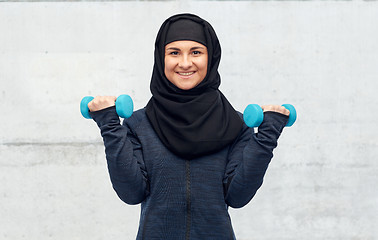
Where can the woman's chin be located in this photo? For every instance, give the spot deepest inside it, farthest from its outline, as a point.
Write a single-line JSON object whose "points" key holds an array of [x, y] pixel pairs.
{"points": [[186, 86]]}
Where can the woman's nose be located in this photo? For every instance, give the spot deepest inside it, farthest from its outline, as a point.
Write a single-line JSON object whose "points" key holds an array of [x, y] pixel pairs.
{"points": [[185, 62]]}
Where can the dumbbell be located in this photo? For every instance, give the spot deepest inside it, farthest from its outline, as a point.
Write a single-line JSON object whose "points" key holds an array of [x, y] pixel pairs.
{"points": [[124, 106], [253, 115]]}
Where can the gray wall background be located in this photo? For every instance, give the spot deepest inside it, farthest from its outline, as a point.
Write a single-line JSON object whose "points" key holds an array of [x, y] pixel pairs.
{"points": [[321, 56]]}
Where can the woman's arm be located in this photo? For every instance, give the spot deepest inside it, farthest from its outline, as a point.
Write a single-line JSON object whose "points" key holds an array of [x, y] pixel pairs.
{"points": [[124, 157], [249, 159]]}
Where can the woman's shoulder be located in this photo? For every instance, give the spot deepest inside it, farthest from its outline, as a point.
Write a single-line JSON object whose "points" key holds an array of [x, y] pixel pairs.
{"points": [[239, 114], [138, 117], [139, 114]]}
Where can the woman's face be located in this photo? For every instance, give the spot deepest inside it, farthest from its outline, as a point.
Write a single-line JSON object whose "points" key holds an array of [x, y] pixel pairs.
{"points": [[185, 63]]}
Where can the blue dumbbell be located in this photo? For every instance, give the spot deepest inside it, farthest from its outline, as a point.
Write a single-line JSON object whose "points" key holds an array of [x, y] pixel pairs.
{"points": [[253, 115], [124, 106]]}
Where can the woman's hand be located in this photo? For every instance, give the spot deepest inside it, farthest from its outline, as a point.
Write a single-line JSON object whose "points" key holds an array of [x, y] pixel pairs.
{"points": [[101, 102], [276, 108]]}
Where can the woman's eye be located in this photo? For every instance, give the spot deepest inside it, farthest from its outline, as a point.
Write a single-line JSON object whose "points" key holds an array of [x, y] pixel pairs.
{"points": [[196, 52], [173, 53]]}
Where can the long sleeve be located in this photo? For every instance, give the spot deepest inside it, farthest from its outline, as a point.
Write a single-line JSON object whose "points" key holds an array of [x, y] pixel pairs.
{"points": [[124, 157], [249, 159]]}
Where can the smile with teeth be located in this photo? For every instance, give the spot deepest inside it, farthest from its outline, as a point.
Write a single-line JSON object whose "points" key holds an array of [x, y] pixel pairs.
{"points": [[185, 73]]}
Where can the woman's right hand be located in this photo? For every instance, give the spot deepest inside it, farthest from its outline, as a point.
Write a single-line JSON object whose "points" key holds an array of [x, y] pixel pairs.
{"points": [[101, 102], [275, 108]]}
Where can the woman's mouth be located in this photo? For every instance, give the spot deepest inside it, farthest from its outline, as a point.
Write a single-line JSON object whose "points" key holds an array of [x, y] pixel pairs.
{"points": [[185, 74]]}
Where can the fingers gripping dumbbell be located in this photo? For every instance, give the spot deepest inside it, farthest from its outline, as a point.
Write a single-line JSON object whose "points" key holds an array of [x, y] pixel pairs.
{"points": [[253, 115], [124, 106]]}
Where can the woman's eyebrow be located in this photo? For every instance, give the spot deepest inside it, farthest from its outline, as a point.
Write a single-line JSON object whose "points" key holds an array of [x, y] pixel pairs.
{"points": [[198, 47], [178, 49], [173, 48]]}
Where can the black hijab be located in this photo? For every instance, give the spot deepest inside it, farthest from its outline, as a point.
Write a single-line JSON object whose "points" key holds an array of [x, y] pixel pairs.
{"points": [[195, 122]]}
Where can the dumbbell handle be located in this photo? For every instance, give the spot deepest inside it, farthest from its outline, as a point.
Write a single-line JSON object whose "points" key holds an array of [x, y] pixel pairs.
{"points": [[253, 115], [124, 106]]}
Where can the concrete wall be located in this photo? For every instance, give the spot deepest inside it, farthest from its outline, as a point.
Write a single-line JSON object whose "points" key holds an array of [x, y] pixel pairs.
{"points": [[321, 56]]}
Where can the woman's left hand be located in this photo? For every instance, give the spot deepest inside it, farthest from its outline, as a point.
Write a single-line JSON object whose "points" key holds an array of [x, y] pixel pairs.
{"points": [[275, 108]]}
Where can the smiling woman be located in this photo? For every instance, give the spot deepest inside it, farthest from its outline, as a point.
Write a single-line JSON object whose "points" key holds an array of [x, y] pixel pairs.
{"points": [[185, 63], [188, 112], [187, 156]]}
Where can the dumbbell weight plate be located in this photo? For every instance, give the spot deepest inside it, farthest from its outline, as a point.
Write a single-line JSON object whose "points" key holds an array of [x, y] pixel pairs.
{"points": [[253, 115], [84, 107], [124, 106], [292, 116]]}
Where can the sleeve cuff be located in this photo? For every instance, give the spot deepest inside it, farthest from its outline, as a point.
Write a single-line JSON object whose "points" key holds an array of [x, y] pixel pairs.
{"points": [[105, 116], [278, 120]]}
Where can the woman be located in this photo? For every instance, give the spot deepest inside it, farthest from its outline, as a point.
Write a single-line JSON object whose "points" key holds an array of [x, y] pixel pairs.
{"points": [[187, 156]]}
